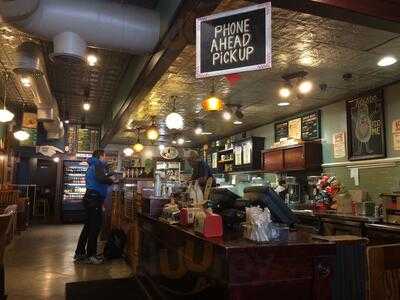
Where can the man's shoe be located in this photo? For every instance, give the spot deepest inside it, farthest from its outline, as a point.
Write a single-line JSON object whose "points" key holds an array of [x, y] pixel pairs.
{"points": [[93, 260]]}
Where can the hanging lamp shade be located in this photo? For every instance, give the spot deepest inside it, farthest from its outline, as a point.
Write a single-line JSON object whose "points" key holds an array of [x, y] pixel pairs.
{"points": [[212, 103], [128, 151], [174, 120], [138, 147], [152, 132], [5, 114], [21, 135]]}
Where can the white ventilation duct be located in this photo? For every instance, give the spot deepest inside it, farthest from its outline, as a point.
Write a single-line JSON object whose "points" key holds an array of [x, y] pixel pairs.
{"points": [[70, 24], [30, 63]]}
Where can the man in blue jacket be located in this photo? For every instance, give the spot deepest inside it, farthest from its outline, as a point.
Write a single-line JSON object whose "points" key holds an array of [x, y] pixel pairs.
{"points": [[97, 182]]}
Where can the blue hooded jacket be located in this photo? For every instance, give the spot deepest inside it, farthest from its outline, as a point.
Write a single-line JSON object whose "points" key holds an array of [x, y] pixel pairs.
{"points": [[96, 179]]}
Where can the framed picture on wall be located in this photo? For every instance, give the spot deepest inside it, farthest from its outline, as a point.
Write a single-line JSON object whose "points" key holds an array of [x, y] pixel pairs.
{"points": [[366, 126]]}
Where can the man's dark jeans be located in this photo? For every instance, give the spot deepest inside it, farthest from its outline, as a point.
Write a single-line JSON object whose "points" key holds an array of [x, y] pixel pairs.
{"points": [[91, 229]]}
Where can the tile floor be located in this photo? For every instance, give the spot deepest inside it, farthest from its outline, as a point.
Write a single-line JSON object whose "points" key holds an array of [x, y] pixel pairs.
{"points": [[39, 262]]}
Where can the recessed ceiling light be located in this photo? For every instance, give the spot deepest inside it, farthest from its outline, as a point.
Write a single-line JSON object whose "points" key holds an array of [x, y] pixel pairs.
{"points": [[188, 141], [174, 142], [305, 87], [206, 133], [283, 103], [181, 141], [387, 61], [91, 60], [227, 115], [284, 92], [237, 122]]}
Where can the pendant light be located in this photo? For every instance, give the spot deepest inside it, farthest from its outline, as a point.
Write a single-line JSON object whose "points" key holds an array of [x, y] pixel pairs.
{"points": [[5, 114], [128, 151], [212, 102], [174, 120], [138, 147], [152, 132], [21, 135]]}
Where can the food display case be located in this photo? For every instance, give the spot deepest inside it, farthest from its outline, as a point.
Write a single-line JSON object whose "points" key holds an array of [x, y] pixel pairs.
{"points": [[73, 190]]}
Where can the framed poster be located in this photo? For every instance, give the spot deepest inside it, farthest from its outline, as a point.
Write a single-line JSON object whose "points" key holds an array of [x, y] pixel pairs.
{"points": [[234, 41], [339, 144], [366, 126]]}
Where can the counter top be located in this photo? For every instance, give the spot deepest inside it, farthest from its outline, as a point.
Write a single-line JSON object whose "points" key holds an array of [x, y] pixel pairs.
{"points": [[235, 240], [335, 215], [384, 227]]}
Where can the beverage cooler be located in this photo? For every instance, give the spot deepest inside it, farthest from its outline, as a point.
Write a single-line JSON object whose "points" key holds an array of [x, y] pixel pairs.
{"points": [[73, 190]]}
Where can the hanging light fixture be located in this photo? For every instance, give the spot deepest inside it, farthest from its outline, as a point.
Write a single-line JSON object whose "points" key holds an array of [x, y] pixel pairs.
{"points": [[198, 130], [226, 115], [152, 132], [138, 147], [212, 102], [174, 120], [86, 103], [180, 141], [21, 135], [128, 151], [5, 114]]}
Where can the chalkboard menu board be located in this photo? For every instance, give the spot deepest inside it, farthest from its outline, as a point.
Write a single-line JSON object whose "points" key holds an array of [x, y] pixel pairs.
{"points": [[281, 130], [366, 126], [310, 127], [82, 140]]}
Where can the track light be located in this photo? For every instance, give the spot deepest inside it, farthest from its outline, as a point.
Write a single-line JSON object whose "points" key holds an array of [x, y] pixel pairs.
{"points": [[285, 92], [305, 87]]}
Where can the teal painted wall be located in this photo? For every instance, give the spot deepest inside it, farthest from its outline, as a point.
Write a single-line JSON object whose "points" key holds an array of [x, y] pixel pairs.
{"points": [[333, 119]]}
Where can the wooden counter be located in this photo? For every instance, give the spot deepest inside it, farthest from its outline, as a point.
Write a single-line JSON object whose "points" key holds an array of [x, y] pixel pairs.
{"points": [[180, 263]]}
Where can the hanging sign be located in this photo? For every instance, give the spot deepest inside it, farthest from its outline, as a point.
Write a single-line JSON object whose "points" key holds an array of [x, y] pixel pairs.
{"points": [[234, 41]]}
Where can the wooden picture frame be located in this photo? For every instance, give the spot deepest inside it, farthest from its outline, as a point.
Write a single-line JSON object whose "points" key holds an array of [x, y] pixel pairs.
{"points": [[366, 126]]}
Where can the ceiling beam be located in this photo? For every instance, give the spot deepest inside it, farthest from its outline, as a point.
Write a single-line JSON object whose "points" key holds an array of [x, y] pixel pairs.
{"points": [[180, 33], [378, 14]]}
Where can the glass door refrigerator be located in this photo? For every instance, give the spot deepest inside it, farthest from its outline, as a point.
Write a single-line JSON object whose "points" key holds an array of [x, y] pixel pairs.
{"points": [[73, 190]]}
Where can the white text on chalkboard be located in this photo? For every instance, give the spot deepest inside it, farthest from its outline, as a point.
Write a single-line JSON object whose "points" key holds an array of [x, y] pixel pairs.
{"points": [[231, 43]]}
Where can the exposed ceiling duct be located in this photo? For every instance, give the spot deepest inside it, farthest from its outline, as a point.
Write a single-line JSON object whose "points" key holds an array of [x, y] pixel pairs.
{"points": [[30, 64], [74, 24]]}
